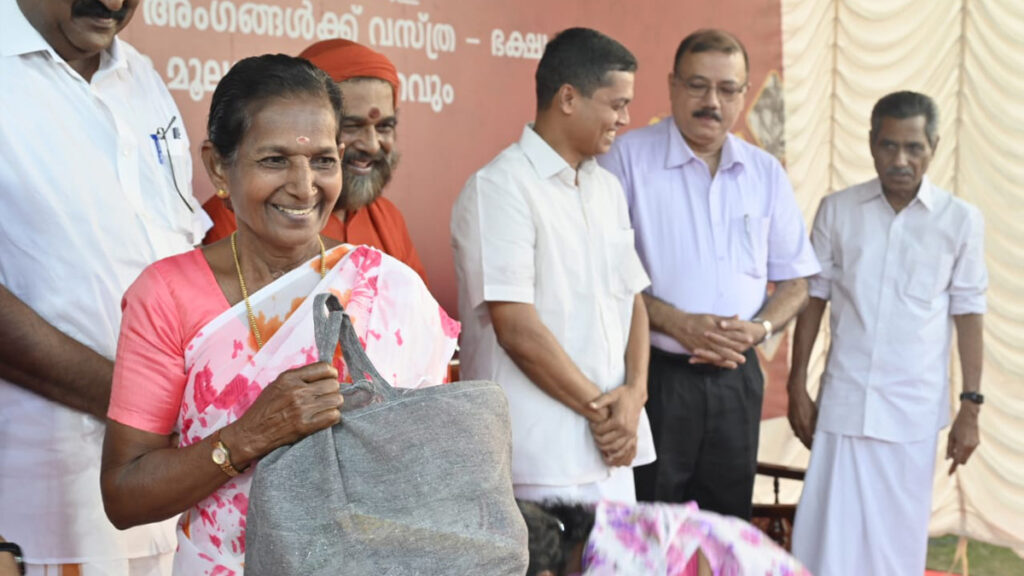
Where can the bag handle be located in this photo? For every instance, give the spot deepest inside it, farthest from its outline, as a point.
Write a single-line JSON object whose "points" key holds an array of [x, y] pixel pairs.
{"points": [[332, 325]]}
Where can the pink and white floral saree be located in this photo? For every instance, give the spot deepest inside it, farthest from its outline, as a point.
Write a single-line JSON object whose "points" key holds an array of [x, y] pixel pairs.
{"points": [[659, 539], [406, 334]]}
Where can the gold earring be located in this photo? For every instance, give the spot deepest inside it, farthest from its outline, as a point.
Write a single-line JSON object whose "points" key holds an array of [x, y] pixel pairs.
{"points": [[222, 193]]}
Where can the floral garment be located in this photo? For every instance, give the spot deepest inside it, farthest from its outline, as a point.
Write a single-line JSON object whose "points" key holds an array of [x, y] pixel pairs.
{"points": [[403, 329], [658, 539]]}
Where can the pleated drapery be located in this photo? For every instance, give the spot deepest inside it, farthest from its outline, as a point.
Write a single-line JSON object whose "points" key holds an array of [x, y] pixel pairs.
{"points": [[839, 57]]}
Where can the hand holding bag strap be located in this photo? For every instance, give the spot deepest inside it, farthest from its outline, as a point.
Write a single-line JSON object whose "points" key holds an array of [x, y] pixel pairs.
{"points": [[331, 324]]}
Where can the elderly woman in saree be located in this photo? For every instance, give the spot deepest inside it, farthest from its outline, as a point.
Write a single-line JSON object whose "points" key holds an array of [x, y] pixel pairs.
{"points": [[216, 363]]}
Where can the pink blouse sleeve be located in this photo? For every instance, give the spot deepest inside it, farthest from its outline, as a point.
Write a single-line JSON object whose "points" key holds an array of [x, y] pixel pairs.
{"points": [[149, 371]]}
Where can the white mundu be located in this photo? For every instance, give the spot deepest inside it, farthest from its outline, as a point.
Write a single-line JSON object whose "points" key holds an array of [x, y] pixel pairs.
{"points": [[87, 203], [894, 282], [524, 229]]}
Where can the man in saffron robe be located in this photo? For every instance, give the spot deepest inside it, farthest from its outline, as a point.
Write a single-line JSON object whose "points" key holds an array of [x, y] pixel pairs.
{"points": [[369, 87]]}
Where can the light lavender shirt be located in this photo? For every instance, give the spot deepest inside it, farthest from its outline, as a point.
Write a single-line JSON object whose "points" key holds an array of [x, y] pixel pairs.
{"points": [[894, 281], [709, 244]]}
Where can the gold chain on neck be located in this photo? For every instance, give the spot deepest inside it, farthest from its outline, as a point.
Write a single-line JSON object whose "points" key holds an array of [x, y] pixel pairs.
{"points": [[245, 293]]}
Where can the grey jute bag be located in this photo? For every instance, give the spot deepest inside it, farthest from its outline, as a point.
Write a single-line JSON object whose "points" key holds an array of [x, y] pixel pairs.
{"points": [[411, 482]]}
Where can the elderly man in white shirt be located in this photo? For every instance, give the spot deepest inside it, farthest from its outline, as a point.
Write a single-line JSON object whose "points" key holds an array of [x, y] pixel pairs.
{"points": [[549, 283], [95, 180], [902, 263]]}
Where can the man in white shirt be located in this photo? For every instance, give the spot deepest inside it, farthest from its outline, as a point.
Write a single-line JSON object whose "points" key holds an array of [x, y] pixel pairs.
{"points": [[95, 185], [902, 263], [549, 283]]}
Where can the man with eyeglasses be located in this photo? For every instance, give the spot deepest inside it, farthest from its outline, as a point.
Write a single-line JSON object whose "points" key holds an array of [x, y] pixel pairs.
{"points": [[903, 263], [95, 184], [715, 221]]}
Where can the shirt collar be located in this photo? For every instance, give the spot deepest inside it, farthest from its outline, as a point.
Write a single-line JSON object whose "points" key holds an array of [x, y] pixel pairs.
{"points": [[678, 152], [545, 160], [925, 194], [19, 37]]}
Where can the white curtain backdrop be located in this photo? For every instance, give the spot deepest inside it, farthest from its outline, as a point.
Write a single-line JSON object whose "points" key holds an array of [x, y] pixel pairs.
{"points": [[839, 57]]}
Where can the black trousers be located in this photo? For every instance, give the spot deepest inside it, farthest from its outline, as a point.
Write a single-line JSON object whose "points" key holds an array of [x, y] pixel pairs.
{"points": [[705, 421]]}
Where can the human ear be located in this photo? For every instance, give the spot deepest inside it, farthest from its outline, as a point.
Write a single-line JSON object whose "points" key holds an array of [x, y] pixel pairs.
{"points": [[216, 169], [215, 166], [566, 98]]}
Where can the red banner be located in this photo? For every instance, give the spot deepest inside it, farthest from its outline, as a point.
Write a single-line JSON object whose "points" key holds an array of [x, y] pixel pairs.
{"points": [[467, 75]]}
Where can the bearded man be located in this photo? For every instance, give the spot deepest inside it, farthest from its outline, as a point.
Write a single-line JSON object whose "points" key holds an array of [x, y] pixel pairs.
{"points": [[369, 88]]}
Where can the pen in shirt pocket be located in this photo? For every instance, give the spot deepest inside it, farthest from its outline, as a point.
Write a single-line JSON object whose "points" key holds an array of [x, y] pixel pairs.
{"points": [[159, 152]]}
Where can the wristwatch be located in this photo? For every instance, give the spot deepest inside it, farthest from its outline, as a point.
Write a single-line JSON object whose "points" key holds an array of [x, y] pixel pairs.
{"points": [[221, 456], [976, 397], [15, 551], [767, 324]]}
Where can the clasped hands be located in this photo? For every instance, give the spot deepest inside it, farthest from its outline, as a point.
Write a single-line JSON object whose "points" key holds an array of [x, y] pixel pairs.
{"points": [[614, 417], [718, 340]]}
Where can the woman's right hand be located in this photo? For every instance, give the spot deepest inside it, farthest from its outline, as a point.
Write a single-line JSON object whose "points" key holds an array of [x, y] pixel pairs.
{"points": [[299, 402]]}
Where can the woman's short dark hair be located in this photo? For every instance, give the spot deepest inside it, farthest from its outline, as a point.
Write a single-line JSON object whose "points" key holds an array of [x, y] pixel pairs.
{"points": [[251, 83], [906, 104], [582, 58]]}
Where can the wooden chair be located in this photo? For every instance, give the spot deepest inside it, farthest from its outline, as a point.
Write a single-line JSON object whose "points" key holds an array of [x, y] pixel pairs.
{"points": [[776, 520]]}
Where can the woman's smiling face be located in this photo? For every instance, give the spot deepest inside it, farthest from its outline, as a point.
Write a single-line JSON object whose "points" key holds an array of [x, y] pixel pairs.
{"points": [[286, 173]]}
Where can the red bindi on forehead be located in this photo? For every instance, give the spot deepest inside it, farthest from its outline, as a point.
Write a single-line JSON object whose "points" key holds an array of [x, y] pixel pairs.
{"points": [[374, 113]]}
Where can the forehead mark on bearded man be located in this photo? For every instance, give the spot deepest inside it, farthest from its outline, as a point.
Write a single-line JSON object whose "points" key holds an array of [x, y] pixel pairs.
{"points": [[374, 113], [302, 140]]}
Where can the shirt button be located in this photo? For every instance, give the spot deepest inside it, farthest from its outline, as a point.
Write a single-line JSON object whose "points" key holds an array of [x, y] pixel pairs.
{"points": [[125, 152]]}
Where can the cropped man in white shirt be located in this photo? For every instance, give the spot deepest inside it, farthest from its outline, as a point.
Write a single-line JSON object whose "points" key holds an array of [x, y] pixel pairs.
{"points": [[902, 263], [95, 185], [549, 283]]}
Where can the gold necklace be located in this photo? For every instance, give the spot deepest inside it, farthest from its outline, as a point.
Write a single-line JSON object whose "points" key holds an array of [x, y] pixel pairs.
{"points": [[245, 293]]}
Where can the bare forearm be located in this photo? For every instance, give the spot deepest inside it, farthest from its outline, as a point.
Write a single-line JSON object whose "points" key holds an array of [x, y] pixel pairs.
{"points": [[786, 301], [36, 356], [158, 484], [661, 315], [970, 335], [537, 352], [638, 349], [808, 324]]}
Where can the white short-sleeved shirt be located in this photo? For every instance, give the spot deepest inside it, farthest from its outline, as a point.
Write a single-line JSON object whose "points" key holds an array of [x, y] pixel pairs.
{"points": [[524, 231], [86, 205], [711, 242], [894, 281]]}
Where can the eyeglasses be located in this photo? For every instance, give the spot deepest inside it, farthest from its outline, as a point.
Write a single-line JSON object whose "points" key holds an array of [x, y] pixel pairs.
{"points": [[698, 88]]}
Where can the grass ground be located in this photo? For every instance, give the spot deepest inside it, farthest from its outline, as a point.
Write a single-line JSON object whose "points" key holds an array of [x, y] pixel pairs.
{"points": [[983, 559]]}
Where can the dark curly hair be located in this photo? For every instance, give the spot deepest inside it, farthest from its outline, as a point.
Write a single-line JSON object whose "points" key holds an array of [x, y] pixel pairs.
{"points": [[555, 529]]}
